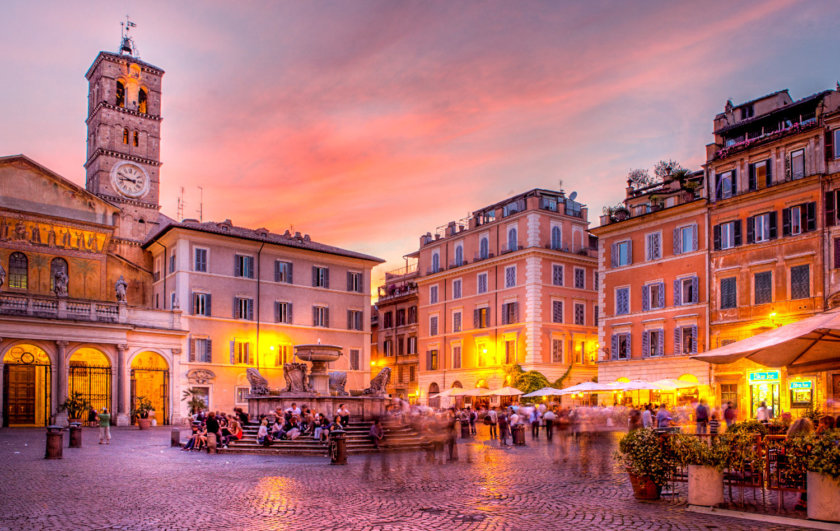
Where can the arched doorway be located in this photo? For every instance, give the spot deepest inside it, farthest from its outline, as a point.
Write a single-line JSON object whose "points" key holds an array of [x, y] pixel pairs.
{"points": [[27, 378], [150, 379], [89, 373], [434, 400]]}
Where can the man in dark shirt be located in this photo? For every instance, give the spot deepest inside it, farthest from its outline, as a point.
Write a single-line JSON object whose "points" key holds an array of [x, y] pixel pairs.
{"points": [[213, 426]]}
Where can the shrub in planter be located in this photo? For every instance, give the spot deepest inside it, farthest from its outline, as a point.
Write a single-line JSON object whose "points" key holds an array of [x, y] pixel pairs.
{"points": [[824, 477], [141, 411], [748, 426], [648, 460], [705, 462], [75, 406]]}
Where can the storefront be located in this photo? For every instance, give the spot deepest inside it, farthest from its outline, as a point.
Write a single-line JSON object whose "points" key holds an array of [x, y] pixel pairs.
{"points": [[764, 388]]}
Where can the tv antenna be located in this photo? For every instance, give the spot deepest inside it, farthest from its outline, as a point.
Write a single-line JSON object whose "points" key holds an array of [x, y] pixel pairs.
{"points": [[181, 205], [201, 204]]}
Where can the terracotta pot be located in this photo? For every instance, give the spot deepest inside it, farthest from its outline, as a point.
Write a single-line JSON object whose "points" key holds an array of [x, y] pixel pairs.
{"points": [[644, 488], [705, 485], [823, 497], [144, 424]]}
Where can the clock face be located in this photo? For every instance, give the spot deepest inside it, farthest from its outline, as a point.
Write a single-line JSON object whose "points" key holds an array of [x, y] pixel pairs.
{"points": [[130, 179]]}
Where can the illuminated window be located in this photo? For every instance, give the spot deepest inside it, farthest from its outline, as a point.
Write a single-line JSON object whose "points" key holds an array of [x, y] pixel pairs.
{"points": [[142, 101], [240, 352], [136, 139], [125, 136], [120, 100]]}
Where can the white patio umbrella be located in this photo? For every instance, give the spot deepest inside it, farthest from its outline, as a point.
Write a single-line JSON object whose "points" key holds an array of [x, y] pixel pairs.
{"points": [[504, 391], [545, 391], [478, 391], [587, 387], [634, 385], [809, 344], [669, 384], [448, 393]]}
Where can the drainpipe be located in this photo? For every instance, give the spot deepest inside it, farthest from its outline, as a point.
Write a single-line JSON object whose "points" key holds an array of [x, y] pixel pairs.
{"points": [[163, 272], [259, 270]]}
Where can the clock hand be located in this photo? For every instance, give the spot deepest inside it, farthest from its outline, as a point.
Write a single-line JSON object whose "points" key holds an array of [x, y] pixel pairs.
{"points": [[128, 179]]}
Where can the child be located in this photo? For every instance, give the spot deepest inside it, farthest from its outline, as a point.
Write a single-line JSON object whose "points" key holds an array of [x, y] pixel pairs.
{"points": [[714, 424]]}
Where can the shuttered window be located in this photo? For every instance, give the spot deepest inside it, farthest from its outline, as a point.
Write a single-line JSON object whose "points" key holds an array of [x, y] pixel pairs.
{"points": [[800, 282], [283, 272], [728, 293], [557, 275], [482, 283], [622, 301], [556, 311], [763, 287]]}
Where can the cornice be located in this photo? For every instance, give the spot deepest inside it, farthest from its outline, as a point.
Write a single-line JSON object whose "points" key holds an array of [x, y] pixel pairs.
{"points": [[123, 156], [105, 105], [127, 201]]}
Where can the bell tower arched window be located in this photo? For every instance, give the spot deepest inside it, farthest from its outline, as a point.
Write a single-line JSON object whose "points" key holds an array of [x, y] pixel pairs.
{"points": [[18, 271], [142, 101], [136, 139], [120, 94], [125, 136], [57, 264]]}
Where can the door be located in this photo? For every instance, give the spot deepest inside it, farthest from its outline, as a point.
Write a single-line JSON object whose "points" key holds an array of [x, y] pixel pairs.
{"points": [[835, 388], [20, 400], [767, 393]]}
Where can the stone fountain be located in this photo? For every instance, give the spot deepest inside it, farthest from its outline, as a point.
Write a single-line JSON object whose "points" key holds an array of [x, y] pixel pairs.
{"points": [[319, 356]]}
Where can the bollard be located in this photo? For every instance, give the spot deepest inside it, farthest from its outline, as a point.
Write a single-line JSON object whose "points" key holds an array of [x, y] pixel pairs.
{"points": [[338, 448], [211, 443], [55, 440], [175, 438], [519, 435], [75, 439], [465, 429]]}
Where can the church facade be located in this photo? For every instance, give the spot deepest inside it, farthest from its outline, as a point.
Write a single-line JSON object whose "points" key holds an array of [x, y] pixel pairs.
{"points": [[76, 313]]}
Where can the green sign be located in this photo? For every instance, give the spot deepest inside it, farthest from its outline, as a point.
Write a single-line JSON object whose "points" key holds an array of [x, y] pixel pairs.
{"points": [[767, 376], [800, 385]]}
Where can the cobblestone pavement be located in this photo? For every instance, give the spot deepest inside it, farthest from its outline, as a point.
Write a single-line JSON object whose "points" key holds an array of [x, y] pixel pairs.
{"points": [[139, 482]]}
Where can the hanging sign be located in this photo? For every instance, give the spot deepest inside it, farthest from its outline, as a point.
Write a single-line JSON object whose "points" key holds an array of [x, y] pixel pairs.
{"points": [[800, 385]]}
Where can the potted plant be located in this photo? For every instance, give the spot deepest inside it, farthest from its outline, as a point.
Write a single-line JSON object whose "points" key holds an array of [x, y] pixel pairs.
{"points": [[824, 477], [141, 411], [75, 406], [705, 462], [649, 463]]}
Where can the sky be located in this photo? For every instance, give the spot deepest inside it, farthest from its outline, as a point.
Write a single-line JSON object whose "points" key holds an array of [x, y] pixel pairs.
{"points": [[368, 123]]}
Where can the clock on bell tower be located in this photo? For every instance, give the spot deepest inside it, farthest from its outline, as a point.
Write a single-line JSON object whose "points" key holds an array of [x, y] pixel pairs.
{"points": [[123, 137]]}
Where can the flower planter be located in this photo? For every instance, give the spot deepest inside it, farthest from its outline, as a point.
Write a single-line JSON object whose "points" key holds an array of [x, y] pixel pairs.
{"points": [[705, 485], [144, 424], [644, 488], [823, 497]]}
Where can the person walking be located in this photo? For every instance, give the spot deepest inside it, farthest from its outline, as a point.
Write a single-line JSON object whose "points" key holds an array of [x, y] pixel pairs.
{"points": [[729, 415], [763, 413], [647, 416], [701, 417], [663, 418], [535, 423], [549, 417], [104, 426], [494, 421], [503, 428]]}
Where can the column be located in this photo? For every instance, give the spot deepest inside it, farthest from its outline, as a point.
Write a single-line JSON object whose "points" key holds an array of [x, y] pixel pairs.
{"points": [[123, 418], [175, 389], [1, 384], [59, 376]]}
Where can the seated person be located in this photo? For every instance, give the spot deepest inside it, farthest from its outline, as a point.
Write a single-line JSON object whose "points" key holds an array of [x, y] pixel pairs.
{"points": [[263, 437], [322, 428], [235, 430], [276, 430], [193, 440], [377, 434], [292, 428]]}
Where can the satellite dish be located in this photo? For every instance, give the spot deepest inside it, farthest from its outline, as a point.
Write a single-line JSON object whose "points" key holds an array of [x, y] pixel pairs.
{"points": [[573, 196]]}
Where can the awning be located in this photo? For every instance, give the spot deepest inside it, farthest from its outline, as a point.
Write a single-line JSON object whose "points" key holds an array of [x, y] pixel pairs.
{"points": [[809, 344], [545, 391], [588, 387], [504, 391]]}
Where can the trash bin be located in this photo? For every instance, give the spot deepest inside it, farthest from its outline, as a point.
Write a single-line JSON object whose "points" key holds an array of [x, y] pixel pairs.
{"points": [[211, 443], [519, 435], [338, 448], [55, 441], [465, 429], [75, 435], [175, 438]]}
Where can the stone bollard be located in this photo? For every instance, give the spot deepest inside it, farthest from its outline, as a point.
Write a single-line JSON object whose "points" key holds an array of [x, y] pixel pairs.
{"points": [[55, 440], [518, 433], [175, 438], [338, 448], [75, 435], [465, 429], [211, 443]]}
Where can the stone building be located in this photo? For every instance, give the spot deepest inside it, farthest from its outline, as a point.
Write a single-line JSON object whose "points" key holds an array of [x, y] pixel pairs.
{"points": [[75, 308], [514, 284]]}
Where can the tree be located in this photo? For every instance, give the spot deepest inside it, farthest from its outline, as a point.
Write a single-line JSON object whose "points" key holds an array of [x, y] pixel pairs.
{"points": [[667, 168]]}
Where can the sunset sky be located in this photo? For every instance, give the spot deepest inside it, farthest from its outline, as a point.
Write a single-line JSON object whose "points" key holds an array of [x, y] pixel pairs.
{"points": [[366, 124]]}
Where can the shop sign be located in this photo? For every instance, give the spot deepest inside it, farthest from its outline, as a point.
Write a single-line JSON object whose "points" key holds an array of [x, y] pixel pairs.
{"points": [[766, 376], [800, 385]]}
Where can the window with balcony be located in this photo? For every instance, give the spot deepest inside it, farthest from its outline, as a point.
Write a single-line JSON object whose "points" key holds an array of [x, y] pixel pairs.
{"points": [[556, 238], [482, 283], [433, 325], [620, 348], [760, 175], [622, 253], [355, 320], [283, 312], [685, 239], [456, 288], [433, 294], [321, 316], [761, 228], [763, 287], [201, 304], [727, 235], [728, 293], [654, 246], [243, 308], [580, 314], [557, 275], [726, 185], [653, 343], [800, 282], [200, 263], [243, 266], [797, 164], [481, 317], [580, 278], [653, 296], [556, 311], [510, 276], [622, 301]]}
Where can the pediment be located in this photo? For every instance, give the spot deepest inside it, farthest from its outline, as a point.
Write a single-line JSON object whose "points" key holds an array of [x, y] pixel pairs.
{"points": [[28, 187]]}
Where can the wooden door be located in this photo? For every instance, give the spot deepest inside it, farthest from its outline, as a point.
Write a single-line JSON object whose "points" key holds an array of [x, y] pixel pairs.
{"points": [[21, 394], [835, 387]]}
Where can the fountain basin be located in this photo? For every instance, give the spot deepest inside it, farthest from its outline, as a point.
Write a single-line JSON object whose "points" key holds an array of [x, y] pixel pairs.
{"points": [[318, 353]]}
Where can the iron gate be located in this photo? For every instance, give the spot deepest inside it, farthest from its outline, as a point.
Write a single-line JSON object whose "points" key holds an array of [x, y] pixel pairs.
{"points": [[159, 396], [94, 383]]}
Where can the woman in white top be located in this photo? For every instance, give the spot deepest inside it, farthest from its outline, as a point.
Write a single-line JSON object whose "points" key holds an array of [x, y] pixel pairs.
{"points": [[763, 414], [262, 433]]}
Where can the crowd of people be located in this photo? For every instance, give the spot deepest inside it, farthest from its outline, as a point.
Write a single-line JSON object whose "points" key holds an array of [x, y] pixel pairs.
{"points": [[222, 426], [295, 422]]}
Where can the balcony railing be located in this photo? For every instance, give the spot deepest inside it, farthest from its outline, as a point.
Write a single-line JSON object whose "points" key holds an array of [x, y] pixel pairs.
{"points": [[24, 304]]}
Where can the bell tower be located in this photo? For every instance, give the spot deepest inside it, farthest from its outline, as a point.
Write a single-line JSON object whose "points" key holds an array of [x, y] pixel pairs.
{"points": [[123, 137]]}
